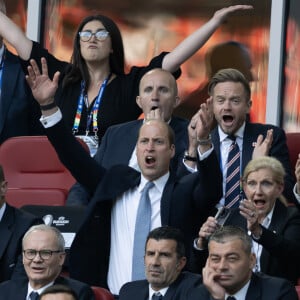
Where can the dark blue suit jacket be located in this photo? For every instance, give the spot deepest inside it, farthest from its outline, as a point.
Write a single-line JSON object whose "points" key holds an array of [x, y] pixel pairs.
{"points": [[17, 289], [262, 287], [13, 226], [118, 145], [185, 203], [281, 242], [278, 150], [178, 290], [19, 112]]}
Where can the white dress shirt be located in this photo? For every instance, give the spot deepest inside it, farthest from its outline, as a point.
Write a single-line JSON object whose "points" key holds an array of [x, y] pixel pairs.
{"points": [[123, 218]]}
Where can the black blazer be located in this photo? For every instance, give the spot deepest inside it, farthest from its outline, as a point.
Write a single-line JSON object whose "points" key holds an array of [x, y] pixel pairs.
{"points": [[17, 289], [262, 287], [118, 145], [19, 112], [13, 226], [178, 290], [185, 203], [278, 150], [281, 242]]}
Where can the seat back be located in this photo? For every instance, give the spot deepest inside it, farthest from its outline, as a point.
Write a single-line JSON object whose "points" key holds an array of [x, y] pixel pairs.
{"points": [[102, 293], [31, 162], [66, 219], [293, 143], [34, 172]]}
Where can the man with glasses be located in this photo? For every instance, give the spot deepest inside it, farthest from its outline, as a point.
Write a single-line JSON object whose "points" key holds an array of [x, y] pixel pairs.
{"points": [[43, 257]]}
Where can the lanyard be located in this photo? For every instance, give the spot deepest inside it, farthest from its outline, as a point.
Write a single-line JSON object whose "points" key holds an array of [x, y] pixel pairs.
{"points": [[93, 115]]}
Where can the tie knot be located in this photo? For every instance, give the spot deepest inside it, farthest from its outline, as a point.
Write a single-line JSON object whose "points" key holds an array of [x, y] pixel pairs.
{"points": [[230, 298], [148, 186], [232, 137], [34, 296], [157, 296]]}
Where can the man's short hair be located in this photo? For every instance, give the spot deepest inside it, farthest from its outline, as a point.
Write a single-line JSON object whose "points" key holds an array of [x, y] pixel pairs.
{"points": [[228, 233], [229, 75], [170, 131], [42, 227], [57, 289], [169, 233]]}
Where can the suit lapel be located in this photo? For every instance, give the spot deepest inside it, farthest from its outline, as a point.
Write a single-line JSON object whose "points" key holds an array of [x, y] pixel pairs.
{"points": [[5, 228], [250, 137], [254, 290], [216, 142], [166, 199], [131, 139], [278, 220]]}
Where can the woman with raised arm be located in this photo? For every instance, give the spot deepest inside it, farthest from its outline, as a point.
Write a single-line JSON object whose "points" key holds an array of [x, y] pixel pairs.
{"points": [[94, 91]]}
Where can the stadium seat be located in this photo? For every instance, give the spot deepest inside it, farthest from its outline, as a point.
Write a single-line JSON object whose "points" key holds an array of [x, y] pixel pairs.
{"points": [[102, 294], [293, 143], [34, 172]]}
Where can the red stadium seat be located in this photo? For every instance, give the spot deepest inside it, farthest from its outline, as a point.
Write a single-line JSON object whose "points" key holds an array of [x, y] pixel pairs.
{"points": [[298, 290], [34, 172], [102, 294], [293, 143]]}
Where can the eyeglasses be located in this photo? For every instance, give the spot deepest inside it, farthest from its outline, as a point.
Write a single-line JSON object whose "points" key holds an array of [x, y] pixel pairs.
{"points": [[100, 35], [44, 254]]}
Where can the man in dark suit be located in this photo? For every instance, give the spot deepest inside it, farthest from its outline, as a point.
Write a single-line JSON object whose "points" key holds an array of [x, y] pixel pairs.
{"points": [[13, 225], [230, 102], [164, 261], [107, 232], [118, 143], [43, 257], [18, 111], [228, 271]]}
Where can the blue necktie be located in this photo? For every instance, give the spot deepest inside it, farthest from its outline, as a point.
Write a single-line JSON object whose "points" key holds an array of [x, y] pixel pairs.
{"points": [[34, 296], [142, 228], [233, 176], [157, 296], [230, 298]]}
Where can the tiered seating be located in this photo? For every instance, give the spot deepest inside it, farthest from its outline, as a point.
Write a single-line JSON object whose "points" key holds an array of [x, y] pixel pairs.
{"points": [[33, 171]]}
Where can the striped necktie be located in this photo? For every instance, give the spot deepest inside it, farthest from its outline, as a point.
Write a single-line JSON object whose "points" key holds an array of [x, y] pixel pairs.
{"points": [[233, 176], [157, 296]]}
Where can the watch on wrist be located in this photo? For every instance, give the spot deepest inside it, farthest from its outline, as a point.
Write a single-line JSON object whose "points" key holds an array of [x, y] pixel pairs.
{"points": [[189, 157], [48, 106]]}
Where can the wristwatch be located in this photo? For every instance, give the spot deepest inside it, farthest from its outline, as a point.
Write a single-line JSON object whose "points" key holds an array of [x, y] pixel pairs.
{"points": [[188, 157]]}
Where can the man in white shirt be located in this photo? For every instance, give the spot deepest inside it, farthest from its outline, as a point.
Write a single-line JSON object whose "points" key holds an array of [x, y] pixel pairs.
{"points": [[102, 252], [228, 271]]}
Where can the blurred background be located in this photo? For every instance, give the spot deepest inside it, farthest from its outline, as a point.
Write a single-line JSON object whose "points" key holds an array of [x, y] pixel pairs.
{"points": [[149, 27]]}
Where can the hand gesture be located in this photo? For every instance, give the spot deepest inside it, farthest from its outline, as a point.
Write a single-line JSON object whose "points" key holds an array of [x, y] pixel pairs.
{"points": [[223, 13], [210, 280], [262, 146], [250, 213], [43, 89], [206, 230]]}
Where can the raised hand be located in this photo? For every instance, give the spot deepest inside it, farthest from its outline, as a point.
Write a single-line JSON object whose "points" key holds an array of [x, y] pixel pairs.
{"points": [[262, 146], [42, 87], [223, 13]]}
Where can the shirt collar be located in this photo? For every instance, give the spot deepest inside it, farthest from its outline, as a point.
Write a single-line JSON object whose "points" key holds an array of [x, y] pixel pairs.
{"points": [[241, 294], [239, 133], [159, 182], [39, 291], [163, 291]]}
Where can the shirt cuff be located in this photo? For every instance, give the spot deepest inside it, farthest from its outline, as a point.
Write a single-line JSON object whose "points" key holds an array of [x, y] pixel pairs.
{"points": [[297, 196], [196, 247], [205, 154], [51, 120]]}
